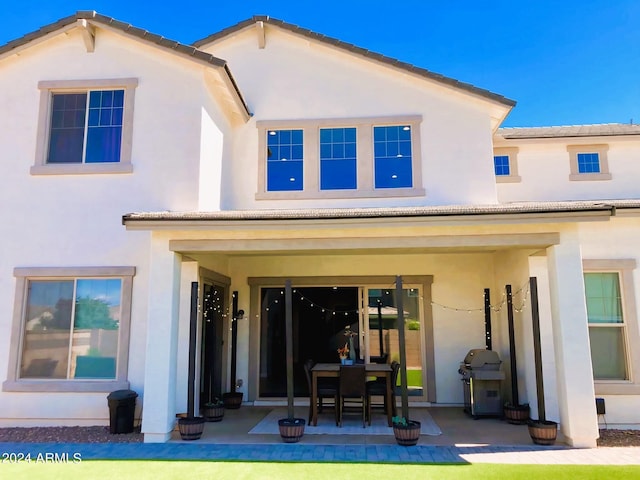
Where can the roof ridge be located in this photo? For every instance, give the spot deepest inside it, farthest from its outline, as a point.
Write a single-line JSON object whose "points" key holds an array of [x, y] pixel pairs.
{"points": [[576, 125], [423, 72]]}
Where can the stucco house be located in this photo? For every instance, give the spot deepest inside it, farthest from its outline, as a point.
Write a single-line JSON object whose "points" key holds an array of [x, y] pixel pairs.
{"points": [[268, 152]]}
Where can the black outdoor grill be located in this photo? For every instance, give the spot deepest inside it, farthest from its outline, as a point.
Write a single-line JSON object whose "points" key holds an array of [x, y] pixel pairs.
{"points": [[481, 383]]}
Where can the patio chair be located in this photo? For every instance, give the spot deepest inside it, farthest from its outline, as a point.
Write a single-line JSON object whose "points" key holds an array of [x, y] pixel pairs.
{"points": [[327, 388], [353, 390], [379, 387]]}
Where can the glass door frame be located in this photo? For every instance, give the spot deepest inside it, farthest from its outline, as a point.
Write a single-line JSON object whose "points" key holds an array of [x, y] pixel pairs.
{"points": [[365, 337]]}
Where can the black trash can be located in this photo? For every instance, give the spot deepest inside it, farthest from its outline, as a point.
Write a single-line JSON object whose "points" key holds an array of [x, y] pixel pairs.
{"points": [[122, 408]]}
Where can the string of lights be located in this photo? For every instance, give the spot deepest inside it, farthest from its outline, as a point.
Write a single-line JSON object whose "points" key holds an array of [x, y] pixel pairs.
{"points": [[522, 292]]}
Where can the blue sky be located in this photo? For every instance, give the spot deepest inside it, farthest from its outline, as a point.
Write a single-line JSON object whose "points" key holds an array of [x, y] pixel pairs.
{"points": [[565, 62]]}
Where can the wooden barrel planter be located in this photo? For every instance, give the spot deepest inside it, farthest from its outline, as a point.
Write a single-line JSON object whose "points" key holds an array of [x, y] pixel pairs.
{"points": [[543, 432], [516, 414], [232, 400], [191, 428], [291, 429], [213, 413], [407, 435]]}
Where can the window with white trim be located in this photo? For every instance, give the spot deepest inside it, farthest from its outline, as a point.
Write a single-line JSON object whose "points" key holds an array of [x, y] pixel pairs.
{"points": [[70, 328], [85, 126], [613, 328], [368, 157]]}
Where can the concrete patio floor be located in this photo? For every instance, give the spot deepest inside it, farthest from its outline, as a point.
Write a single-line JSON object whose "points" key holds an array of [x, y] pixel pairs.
{"points": [[457, 427]]}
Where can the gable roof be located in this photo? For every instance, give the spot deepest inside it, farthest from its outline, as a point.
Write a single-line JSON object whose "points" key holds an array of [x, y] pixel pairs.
{"points": [[598, 130], [408, 67], [93, 17]]}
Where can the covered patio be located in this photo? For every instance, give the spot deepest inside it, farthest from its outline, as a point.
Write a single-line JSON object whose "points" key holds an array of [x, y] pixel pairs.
{"points": [[457, 428]]}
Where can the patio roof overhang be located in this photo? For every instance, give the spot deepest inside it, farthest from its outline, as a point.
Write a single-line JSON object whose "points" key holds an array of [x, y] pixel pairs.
{"points": [[525, 212]]}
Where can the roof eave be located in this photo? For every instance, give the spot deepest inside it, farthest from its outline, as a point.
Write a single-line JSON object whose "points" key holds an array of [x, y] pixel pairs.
{"points": [[389, 61]]}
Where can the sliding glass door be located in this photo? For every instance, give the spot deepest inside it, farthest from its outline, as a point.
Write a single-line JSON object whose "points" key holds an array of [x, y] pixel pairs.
{"points": [[380, 331]]}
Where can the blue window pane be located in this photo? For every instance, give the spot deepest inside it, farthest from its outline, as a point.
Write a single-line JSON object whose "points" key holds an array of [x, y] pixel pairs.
{"points": [[284, 176], [107, 99], [67, 128], [95, 99], [588, 163], [325, 150], [501, 165], [350, 150], [285, 152], [118, 98], [103, 144], [338, 159], [392, 156], [393, 173], [338, 174], [94, 117], [379, 134], [105, 117], [285, 155], [117, 116], [296, 137], [350, 135], [325, 135], [405, 148], [296, 152], [379, 149], [65, 145]]}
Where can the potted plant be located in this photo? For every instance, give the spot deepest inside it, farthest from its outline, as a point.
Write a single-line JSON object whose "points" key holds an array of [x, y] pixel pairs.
{"points": [[291, 428], [407, 432], [213, 411]]}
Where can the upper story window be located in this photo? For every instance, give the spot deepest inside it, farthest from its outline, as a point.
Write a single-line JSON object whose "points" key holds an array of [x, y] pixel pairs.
{"points": [[85, 126], [392, 153], [588, 162], [338, 159], [284, 160], [501, 165], [71, 329], [613, 328], [505, 164], [368, 157]]}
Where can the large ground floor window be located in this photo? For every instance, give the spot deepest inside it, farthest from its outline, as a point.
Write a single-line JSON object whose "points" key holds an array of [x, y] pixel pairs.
{"points": [[71, 328]]}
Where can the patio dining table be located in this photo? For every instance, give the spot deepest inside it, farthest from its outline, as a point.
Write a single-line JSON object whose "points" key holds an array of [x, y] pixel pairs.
{"points": [[378, 370]]}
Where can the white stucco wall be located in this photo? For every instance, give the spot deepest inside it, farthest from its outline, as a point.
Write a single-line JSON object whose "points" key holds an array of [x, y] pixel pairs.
{"points": [[544, 167], [294, 78], [458, 282], [618, 240], [75, 220]]}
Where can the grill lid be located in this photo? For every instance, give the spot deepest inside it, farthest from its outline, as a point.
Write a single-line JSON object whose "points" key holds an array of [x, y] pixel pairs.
{"points": [[479, 358]]}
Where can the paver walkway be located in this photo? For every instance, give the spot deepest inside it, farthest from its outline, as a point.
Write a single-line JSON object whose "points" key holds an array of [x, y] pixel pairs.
{"points": [[332, 453]]}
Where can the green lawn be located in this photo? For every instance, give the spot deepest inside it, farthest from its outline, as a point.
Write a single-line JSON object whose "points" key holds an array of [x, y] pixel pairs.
{"points": [[192, 470]]}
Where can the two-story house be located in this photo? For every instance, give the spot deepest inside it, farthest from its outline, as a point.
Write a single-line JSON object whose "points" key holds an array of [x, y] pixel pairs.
{"points": [[266, 153]]}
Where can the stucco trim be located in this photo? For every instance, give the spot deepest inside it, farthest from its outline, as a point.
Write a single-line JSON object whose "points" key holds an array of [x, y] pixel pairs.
{"points": [[601, 150], [512, 153]]}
